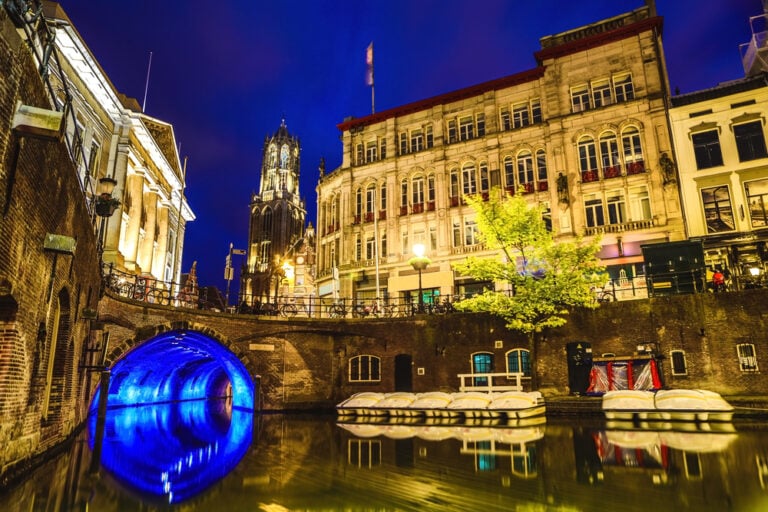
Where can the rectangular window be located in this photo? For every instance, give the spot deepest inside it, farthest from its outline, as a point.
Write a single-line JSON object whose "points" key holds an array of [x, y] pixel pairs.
{"points": [[679, 366], [456, 234], [383, 149], [717, 209], [359, 156], [371, 152], [484, 183], [622, 85], [466, 128], [594, 210], [404, 193], [750, 141], [370, 198], [452, 133], [480, 125], [747, 357], [94, 157], [757, 197], [617, 207], [520, 115], [358, 249], [430, 137], [580, 98], [383, 200], [601, 93], [470, 232], [706, 148], [417, 141], [536, 111], [639, 203], [370, 248], [403, 143], [506, 122]]}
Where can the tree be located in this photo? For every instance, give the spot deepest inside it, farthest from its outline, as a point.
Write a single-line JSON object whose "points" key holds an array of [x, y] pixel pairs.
{"points": [[546, 278]]}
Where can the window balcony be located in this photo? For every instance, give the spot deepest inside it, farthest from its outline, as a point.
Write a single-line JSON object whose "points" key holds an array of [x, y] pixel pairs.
{"points": [[430, 206], [485, 196], [543, 186], [527, 188], [589, 176], [417, 208], [510, 190], [454, 201], [356, 219], [368, 216], [637, 167], [382, 214], [403, 211], [634, 225], [612, 172]]}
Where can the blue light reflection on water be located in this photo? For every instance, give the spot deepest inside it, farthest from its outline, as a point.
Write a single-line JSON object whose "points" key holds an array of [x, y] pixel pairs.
{"points": [[172, 452]]}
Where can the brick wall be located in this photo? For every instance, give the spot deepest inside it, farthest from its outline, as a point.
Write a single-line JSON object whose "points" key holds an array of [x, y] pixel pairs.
{"points": [[39, 194]]}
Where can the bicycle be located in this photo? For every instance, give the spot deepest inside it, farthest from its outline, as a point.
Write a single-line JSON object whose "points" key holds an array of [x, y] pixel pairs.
{"points": [[288, 309], [362, 310], [337, 310]]}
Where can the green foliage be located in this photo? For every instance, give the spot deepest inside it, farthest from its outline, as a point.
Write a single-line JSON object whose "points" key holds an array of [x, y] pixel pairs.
{"points": [[545, 278]]}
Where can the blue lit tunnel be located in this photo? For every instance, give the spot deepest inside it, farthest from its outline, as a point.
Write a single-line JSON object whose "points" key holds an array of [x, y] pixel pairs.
{"points": [[179, 417], [177, 366]]}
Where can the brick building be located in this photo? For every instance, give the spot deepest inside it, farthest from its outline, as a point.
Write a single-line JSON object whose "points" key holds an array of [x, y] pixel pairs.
{"points": [[581, 134]]}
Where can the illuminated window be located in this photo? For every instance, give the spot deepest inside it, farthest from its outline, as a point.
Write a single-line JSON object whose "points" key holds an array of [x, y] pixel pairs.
{"points": [[482, 362], [587, 159], [718, 213], [757, 197], [365, 369], [609, 156]]}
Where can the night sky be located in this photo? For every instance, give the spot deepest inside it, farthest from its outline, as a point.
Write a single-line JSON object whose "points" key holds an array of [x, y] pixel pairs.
{"points": [[225, 73]]}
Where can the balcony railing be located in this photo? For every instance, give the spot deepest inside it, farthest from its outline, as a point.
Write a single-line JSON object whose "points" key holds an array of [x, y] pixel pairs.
{"points": [[527, 188], [403, 211], [382, 214], [356, 219], [634, 225], [510, 190], [637, 167], [543, 186], [430, 206], [417, 208], [454, 201], [368, 216], [589, 176], [612, 172]]}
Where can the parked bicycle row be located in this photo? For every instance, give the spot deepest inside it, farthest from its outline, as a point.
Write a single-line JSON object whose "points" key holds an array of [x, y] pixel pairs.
{"points": [[147, 289]]}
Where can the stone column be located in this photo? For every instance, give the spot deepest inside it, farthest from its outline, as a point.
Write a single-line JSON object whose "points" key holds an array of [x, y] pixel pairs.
{"points": [[113, 224], [161, 253], [147, 243], [133, 198]]}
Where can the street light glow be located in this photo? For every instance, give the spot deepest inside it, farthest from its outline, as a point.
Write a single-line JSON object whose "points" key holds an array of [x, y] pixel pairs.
{"points": [[418, 250]]}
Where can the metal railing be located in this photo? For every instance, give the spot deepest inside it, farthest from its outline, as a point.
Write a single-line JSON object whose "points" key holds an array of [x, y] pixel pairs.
{"points": [[485, 381]]}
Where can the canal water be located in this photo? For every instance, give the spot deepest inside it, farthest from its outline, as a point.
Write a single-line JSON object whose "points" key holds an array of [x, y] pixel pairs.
{"points": [[208, 456]]}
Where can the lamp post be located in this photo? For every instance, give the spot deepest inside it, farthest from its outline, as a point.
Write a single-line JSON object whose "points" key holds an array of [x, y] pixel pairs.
{"points": [[105, 206], [419, 262]]}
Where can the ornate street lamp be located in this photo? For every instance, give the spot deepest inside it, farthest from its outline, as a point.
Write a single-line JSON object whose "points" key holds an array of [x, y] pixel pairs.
{"points": [[105, 205], [419, 262]]}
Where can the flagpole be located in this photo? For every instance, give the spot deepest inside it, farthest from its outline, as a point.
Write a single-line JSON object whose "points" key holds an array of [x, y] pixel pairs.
{"points": [[146, 85]]}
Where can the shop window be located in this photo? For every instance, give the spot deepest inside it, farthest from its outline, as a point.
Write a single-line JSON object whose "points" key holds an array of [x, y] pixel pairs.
{"points": [[757, 198], [718, 213]]}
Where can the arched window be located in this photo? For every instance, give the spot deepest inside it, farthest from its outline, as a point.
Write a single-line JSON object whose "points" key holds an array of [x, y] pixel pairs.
{"points": [[518, 361], [469, 179], [587, 159], [482, 362], [266, 224], [370, 202], [365, 368], [609, 155], [633, 151]]}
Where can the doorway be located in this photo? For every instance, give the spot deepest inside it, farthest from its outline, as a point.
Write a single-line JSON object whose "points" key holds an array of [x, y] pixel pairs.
{"points": [[403, 372]]}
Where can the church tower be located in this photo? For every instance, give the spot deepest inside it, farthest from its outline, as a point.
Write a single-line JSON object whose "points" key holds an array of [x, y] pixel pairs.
{"points": [[277, 215]]}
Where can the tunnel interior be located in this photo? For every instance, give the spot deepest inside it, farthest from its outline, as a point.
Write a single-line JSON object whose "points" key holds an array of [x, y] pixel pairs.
{"points": [[178, 365]]}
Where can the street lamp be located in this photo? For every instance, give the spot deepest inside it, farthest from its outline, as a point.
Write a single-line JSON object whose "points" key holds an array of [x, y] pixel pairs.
{"points": [[105, 206], [419, 262]]}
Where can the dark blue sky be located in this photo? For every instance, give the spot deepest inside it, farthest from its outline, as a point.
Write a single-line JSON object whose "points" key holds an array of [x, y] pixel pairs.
{"points": [[225, 73]]}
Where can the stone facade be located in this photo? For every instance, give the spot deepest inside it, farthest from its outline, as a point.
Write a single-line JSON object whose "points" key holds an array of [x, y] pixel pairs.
{"points": [[580, 135]]}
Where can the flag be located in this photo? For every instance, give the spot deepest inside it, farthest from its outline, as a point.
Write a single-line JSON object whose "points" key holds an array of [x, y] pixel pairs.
{"points": [[369, 65], [239, 252]]}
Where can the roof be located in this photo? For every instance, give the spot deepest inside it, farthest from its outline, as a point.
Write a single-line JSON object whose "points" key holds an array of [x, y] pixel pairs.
{"points": [[721, 90]]}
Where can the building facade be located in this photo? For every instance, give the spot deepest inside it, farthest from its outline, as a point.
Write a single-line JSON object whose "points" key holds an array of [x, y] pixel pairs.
{"points": [[582, 135], [109, 136], [277, 255]]}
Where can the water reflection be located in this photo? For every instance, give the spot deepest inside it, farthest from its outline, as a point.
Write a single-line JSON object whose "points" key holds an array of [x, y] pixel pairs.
{"points": [[299, 462], [171, 452]]}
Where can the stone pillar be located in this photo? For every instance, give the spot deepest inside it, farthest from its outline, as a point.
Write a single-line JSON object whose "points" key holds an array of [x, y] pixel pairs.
{"points": [[134, 196], [113, 224], [161, 253], [147, 243]]}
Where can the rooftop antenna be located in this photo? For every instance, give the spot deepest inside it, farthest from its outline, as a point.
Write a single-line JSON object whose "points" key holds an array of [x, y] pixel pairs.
{"points": [[146, 85]]}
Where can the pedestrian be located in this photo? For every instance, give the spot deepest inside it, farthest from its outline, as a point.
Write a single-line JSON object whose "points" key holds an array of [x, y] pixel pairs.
{"points": [[718, 281]]}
